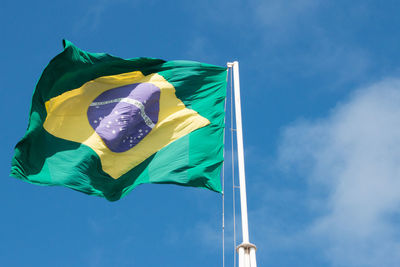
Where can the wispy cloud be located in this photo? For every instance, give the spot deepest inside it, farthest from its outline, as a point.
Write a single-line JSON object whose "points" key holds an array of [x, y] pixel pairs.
{"points": [[352, 161], [282, 14], [339, 63], [95, 12], [200, 48], [92, 18]]}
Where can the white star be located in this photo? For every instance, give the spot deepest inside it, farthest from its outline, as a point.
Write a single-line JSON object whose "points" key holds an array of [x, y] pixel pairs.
{"points": [[95, 121], [130, 141], [123, 141], [146, 131], [108, 126], [138, 136], [120, 129], [116, 112], [140, 130], [109, 122], [113, 131], [100, 118], [97, 106]]}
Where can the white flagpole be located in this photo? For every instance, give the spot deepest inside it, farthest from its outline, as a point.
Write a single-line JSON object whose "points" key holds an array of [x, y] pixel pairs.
{"points": [[246, 250]]}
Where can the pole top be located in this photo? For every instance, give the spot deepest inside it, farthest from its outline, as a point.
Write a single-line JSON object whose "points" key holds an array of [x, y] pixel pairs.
{"points": [[231, 64], [246, 246]]}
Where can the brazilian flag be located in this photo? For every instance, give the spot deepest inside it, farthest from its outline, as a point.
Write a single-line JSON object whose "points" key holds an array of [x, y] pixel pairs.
{"points": [[102, 125]]}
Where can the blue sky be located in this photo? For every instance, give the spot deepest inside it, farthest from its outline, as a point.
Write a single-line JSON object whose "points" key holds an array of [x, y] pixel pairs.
{"points": [[320, 98]]}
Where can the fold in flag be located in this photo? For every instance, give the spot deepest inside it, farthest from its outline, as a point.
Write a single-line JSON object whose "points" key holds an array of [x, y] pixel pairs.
{"points": [[102, 125]]}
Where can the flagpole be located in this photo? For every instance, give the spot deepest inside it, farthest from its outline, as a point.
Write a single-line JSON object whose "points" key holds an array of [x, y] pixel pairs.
{"points": [[246, 250]]}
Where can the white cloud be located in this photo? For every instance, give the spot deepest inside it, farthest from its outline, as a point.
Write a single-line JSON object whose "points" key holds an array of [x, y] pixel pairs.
{"points": [[352, 161]]}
